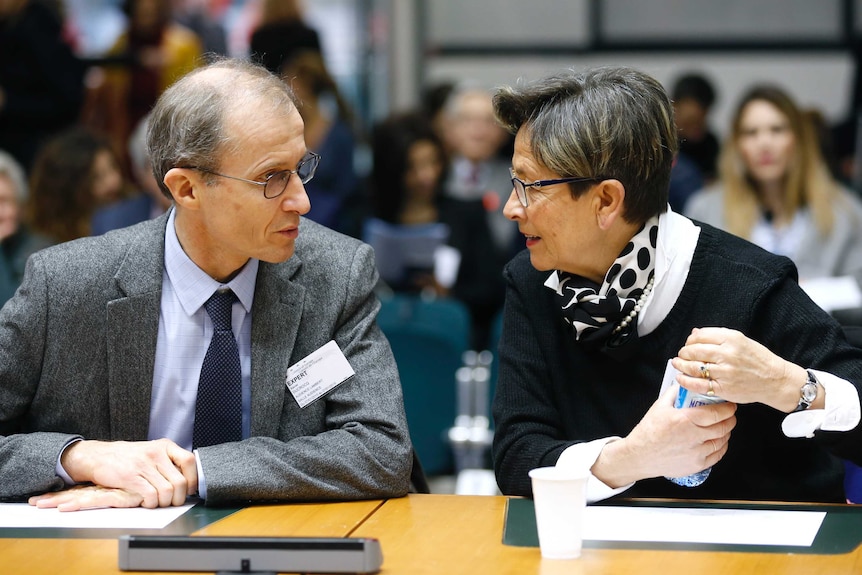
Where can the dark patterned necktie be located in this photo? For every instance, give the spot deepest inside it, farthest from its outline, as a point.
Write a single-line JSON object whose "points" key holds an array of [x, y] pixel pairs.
{"points": [[218, 412]]}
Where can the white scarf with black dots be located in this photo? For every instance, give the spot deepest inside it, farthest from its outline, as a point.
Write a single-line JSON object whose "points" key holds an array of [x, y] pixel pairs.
{"points": [[595, 311]]}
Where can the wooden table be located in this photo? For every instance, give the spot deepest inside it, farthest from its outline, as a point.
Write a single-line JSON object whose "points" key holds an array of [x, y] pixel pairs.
{"points": [[452, 534], [426, 534], [99, 556]]}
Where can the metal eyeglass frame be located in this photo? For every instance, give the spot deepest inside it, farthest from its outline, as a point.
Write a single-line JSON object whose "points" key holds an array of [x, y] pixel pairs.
{"points": [[310, 157], [521, 186]]}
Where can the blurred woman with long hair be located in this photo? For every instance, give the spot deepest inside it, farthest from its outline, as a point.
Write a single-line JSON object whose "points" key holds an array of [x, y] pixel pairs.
{"points": [[776, 190], [74, 174]]}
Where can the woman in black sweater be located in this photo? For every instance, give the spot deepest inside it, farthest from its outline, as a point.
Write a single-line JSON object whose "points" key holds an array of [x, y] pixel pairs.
{"points": [[617, 294]]}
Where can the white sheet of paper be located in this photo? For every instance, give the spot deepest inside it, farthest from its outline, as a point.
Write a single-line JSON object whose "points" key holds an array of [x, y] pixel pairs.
{"points": [[25, 515], [447, 262], [691, 525], [833, 293]]}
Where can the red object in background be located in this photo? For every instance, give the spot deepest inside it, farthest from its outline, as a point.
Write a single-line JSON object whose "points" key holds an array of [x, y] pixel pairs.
{"points": [[491, 201]]}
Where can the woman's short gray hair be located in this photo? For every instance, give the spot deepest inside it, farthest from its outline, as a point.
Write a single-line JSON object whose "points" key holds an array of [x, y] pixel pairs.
{"points": [[187, 124], [607, 122], [12, 170]]}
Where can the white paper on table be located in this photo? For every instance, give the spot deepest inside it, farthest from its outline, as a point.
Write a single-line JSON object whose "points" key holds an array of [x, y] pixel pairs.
{"points": [[832, 293], [447, 262], [26, 515], [708, 525]]}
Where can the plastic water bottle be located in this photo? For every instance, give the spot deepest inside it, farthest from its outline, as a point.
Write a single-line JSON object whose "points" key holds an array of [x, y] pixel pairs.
{"points": [[688, 398]]}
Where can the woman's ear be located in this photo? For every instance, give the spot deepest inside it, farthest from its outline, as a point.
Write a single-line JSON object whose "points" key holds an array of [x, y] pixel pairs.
{"points": [[609, 200], [182, 183]]}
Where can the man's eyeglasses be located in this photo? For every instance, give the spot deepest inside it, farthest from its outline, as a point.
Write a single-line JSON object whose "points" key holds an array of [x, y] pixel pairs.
{"points": [[276, 183], [521, 186]]}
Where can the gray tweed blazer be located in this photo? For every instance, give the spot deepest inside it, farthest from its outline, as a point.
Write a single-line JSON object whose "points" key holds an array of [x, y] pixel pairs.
{"points": [[77, 347]]}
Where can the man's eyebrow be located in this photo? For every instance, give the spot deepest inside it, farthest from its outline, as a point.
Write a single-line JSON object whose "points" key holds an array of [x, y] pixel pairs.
{"points": [[270, 167]]}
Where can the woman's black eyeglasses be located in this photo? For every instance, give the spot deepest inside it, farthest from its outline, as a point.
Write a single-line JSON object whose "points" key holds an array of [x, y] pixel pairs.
{"points": [[521, 186]]}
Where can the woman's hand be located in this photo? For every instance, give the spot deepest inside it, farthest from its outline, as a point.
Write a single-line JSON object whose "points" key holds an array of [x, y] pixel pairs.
{"points": [[668, 442], [738, 369]]}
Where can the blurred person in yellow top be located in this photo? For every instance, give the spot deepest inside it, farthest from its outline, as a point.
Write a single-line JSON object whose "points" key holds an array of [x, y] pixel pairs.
{"points": [[152, 53]]}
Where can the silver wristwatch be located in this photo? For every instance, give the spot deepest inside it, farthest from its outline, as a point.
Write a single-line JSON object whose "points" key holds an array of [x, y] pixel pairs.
{"points": [[807, 393]]}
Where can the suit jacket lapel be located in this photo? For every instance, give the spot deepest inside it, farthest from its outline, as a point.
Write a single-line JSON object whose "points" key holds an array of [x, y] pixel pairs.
{"points": [[132, 330], [133, 325], [276, 313]]}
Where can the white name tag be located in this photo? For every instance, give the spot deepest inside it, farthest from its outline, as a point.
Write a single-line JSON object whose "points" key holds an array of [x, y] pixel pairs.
{"points": [[315, 375]]}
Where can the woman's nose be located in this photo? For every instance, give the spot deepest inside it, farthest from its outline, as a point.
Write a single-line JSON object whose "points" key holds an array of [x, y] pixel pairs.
{"points": [[513, 208]]}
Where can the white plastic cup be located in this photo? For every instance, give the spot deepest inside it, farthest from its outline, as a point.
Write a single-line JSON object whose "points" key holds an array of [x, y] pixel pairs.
{"points": [[560, 497]]}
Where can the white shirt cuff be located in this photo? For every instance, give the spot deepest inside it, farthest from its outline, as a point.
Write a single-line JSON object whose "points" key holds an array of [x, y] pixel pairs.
{"points": [[841, 412], [202, 484], [58, 469], [582, 456]]}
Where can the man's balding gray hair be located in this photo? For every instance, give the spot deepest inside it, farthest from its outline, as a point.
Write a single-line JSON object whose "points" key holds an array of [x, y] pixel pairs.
{"points": [[187, 124]]}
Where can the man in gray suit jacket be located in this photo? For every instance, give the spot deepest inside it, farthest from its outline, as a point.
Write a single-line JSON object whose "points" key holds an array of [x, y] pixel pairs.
{"points": [[102, 347]]}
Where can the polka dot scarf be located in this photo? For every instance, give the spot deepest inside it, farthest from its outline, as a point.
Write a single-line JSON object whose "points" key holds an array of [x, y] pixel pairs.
{"points": [[597, 313]]}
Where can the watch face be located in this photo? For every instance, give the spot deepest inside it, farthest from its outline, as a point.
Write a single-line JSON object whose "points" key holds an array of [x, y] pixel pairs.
{"points": [[809, 392]]}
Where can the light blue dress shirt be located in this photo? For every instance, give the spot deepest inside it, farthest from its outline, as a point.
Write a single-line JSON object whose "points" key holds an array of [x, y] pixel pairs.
{"points": [[185, 331]]}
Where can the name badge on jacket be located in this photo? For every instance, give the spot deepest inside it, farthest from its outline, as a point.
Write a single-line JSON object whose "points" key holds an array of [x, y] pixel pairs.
{"points": [[318, 373]]}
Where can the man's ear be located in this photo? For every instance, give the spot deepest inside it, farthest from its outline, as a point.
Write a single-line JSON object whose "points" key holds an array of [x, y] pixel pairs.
{"points": [[184, 184], [609, 201]]}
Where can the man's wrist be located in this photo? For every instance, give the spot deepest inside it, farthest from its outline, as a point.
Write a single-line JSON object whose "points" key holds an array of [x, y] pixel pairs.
{"points": [[74, 463], [60, 470]]}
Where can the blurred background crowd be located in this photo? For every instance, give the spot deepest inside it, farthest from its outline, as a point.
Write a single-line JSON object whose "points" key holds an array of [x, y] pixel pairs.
{"points": [[396, 97]]}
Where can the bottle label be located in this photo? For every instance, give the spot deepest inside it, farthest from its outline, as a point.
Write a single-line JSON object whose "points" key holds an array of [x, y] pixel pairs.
{"points": [[686, 399]]}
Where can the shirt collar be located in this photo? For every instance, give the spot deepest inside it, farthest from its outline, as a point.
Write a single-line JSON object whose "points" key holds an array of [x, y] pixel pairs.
{"points": [[192, 285], [677, 239]]}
